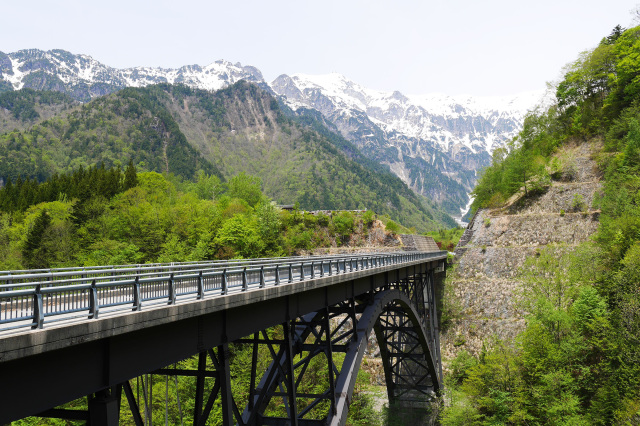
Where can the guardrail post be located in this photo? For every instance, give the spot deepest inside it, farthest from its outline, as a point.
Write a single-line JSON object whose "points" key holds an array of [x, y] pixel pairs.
{"points": [[262, 276], [313, 269], [322, 268], [200, 286], [172, 290], [290, 273], [38, 313], [277, 274], [244, 279], [137, 303], [224, 281], [330, 267], [93, 301]]}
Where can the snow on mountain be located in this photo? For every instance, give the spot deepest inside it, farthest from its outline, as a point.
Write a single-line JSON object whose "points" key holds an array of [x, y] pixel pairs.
{"points": [[85, 78], [426, 117], [435, 143]]}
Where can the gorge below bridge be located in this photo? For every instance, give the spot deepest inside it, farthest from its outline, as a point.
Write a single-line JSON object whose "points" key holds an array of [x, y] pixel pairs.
{"points": [[72, 333]]}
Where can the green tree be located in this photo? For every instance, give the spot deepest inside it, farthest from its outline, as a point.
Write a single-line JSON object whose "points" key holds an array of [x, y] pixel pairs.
{"points": [[34, 253], [130, 176], [247, 188], [632, 150]]}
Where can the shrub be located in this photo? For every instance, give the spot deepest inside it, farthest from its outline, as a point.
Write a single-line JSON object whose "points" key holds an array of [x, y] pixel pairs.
{"points": [[322, 219], [368, 217], [578, 203], [344, 223], [460, 364], [393, 227], [459, 341]]}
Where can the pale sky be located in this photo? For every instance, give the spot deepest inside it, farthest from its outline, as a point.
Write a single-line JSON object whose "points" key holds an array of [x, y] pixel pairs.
{"points": [[482, 48]]}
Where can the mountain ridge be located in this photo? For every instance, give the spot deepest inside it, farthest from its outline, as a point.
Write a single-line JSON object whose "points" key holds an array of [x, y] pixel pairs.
{"points": [[180, 130], [434, 143]]}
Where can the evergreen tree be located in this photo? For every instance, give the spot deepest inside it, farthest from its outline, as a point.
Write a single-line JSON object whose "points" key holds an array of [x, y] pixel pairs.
{"points": [[130, 176], [34, 254], [7, 196]]}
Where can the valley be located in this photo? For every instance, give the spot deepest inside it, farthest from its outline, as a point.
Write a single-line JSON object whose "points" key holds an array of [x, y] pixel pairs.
{"points": [[435, 144]]}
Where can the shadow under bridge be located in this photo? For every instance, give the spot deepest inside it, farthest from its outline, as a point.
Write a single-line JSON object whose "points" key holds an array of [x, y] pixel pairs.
{"points": [[303, 325]]}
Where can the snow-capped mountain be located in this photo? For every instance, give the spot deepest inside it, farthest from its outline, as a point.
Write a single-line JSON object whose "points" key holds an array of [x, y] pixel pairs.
{"points": [[84, 78], [477, 123], [435, 143]]}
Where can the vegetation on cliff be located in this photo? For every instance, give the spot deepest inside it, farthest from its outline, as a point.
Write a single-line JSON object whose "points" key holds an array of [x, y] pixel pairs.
{"points": [[578, 359]]}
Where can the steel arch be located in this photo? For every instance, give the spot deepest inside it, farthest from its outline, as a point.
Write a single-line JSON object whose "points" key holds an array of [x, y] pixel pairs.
{"points": [[410, 363]]}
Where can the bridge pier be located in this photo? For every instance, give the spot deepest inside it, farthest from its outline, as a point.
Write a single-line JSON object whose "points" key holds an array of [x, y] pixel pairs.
{"points": [[104, 408]]}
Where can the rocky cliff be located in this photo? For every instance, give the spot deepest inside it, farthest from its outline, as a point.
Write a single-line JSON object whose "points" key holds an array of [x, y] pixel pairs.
{"points": [[485, 280]]}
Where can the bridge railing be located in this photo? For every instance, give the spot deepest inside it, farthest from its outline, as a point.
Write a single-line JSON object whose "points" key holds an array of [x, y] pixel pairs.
{"points": [[16, 277], [29, 300]]}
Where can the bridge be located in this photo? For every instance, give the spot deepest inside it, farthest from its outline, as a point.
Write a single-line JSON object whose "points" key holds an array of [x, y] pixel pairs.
{"points": [[103, 332]]}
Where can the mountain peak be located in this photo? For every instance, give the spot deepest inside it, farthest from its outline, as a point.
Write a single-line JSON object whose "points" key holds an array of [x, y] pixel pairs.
{"points": [[86, 78]]}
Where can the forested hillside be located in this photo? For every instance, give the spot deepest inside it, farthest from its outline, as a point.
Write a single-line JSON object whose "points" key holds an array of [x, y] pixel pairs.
{"points": [[114, 129], [103, 216], [243, 128], [578, 359], [175, 129], [24, 108]]}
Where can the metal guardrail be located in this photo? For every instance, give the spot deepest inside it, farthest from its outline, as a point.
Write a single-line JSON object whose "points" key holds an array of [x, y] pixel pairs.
{"points": [[29, 299]]}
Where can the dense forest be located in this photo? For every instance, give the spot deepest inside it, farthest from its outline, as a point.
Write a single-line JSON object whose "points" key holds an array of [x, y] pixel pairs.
{"points": [[178, 130], [106, 216], [578, 359]]}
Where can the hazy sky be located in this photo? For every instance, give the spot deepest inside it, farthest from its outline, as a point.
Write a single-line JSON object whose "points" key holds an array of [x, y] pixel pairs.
{"points": [[489, 47]]}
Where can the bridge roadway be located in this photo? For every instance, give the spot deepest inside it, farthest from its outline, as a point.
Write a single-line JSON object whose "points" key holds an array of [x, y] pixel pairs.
{"points": [[70, 333]]}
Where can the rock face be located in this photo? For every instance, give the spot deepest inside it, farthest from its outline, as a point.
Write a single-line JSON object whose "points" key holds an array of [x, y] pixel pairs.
{"points": [[497, 243], [434, 143]]}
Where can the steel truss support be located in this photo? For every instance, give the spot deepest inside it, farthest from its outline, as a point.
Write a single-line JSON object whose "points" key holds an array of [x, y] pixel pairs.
{"points": [[403, 315], [303, 371]]}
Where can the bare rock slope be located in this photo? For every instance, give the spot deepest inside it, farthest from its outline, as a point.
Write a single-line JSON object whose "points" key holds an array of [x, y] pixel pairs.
{"points": [[484, 283]]}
